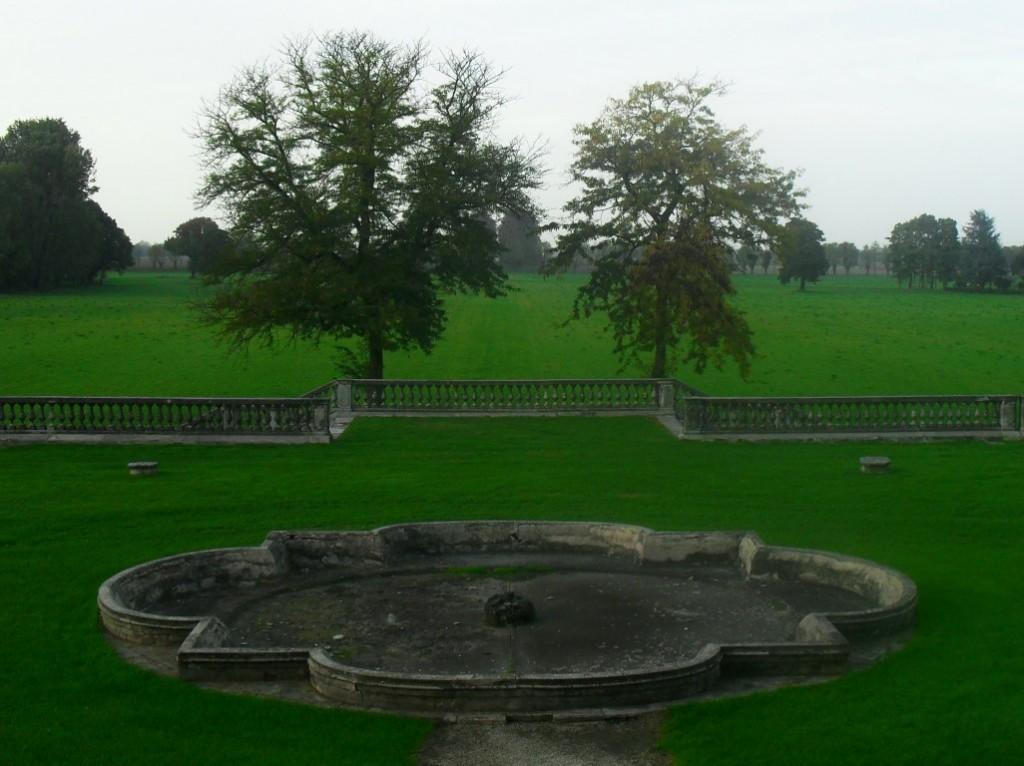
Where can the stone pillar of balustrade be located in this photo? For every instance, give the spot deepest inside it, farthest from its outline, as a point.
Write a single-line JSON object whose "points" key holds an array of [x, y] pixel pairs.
{"points": [[341, 403], [666, 397]]}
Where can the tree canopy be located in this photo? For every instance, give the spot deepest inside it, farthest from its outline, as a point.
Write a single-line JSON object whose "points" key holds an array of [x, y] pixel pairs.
{"points": [[925, 248], [51, 233], [748, 256], [358, 193], [202, 241], [982, 263], [873, 256], [522, 248], [667, 191], [843, 254], [802, 252]]}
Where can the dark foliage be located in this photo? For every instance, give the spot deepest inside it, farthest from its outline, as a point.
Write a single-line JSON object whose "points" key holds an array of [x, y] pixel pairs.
{"points": [[522, 248], [927, 249], [358, 194], [203, 241], [666, 192], [802, 252], [51, 233]]}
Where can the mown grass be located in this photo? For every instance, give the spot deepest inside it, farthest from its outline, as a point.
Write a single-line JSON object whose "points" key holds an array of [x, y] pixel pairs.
{"points": [[137, 335], [950, 515]]}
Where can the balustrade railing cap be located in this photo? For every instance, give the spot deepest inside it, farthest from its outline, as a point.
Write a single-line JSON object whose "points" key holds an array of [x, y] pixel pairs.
{"points": [[477, 381]]}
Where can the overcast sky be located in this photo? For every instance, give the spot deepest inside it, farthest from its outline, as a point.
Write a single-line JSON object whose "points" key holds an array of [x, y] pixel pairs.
{"points": [[891, 108]]}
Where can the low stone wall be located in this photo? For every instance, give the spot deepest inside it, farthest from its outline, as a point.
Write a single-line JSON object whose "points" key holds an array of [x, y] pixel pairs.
{"points": [[323, 413], [894, 593], [850, 417], [148, 420], [125, 600], [439, 695], [820, 645]]}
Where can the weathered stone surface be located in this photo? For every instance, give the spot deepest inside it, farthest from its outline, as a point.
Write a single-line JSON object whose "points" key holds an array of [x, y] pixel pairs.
{"points": [[875, 464], [628, 616], [504, 609]]}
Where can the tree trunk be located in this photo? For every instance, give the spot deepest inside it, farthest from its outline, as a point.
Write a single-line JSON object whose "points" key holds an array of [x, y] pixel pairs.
{"points": [[375, 362], [658, 368], [802, 281], [660, 336]]}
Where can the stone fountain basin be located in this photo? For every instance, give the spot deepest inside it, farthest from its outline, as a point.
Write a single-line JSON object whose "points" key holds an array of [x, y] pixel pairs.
{"points": [[393, 618]]}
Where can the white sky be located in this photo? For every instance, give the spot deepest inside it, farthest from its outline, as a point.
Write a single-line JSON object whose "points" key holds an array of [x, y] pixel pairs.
{"points": [[890, 108]]}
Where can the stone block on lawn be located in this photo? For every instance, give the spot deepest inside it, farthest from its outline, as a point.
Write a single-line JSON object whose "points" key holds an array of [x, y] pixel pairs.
{"points": [[875, 464]]}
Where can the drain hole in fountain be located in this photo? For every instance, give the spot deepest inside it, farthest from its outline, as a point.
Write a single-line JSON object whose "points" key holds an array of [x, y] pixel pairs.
{"points": [[504, 609]]}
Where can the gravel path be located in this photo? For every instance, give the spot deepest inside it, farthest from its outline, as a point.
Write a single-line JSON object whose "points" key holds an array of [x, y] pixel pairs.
{"points": [[600, 743]]}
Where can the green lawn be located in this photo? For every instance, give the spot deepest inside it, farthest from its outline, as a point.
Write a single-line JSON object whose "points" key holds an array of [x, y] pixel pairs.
{"points": [[137, 335], [951, 515]]}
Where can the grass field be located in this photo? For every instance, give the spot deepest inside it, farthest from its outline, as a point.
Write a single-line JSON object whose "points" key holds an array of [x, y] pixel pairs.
{"points": [[951, 515], [137, 335]]}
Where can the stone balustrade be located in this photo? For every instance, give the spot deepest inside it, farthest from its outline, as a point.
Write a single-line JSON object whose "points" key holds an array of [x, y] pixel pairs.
{"points": [[325, 411], [36, 418], [643, 396], [849, 415]]}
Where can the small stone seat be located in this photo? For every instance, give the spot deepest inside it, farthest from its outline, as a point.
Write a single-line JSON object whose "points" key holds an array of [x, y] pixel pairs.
{"points": [[875, 464], [143, 468]]}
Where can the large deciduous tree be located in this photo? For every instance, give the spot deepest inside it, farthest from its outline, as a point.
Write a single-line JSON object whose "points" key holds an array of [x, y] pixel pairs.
{"points": [[802, 252], [51, 232], [747, 257], [872, 256], [522, 248], [666, 191], [982, 262], [358, 194], [843, 254], [202, 241], [925, 248]]}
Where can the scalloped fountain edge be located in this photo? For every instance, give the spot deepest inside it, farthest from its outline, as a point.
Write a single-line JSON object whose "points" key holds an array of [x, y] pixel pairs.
{"points": [[820, 646]]}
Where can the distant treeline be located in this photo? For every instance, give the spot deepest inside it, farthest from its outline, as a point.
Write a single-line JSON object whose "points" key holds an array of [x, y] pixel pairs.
{"points": [[923, 252], [52, 234], [927, 251], [154, 256]]}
